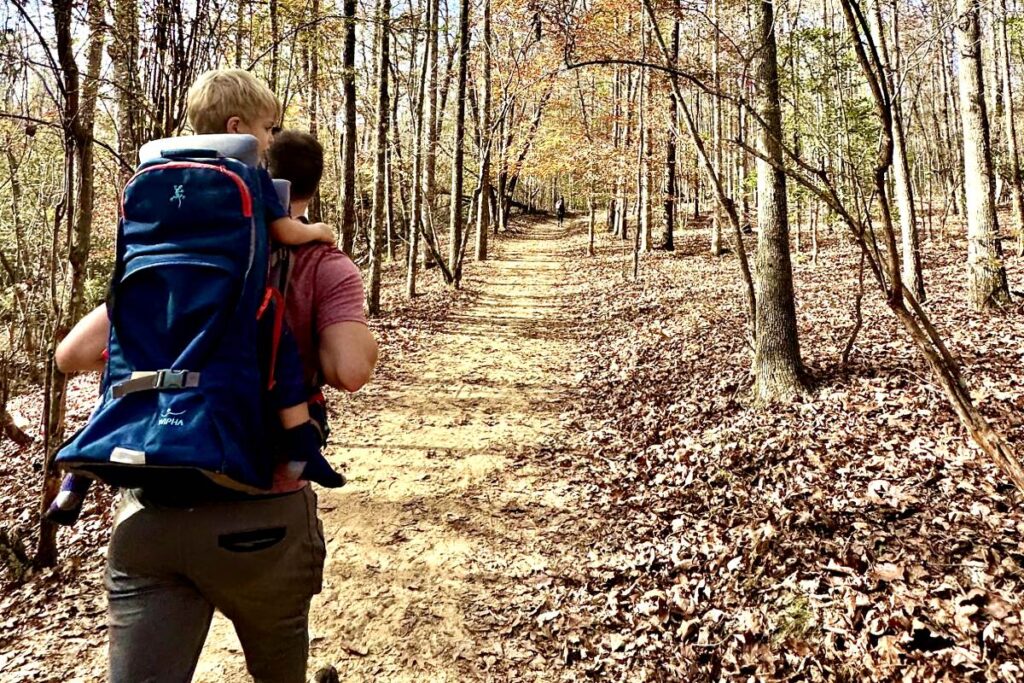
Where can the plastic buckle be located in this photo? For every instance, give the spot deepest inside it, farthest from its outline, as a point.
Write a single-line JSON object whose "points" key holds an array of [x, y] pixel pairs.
{"points": [[171, 379]]}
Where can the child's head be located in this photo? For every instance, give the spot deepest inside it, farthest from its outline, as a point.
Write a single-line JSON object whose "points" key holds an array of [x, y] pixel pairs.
{"points": [[233, 101], [298, 158]]}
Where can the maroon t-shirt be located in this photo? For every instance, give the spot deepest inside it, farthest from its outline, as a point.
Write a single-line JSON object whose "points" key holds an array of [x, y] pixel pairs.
{"points": [[324, 288]]}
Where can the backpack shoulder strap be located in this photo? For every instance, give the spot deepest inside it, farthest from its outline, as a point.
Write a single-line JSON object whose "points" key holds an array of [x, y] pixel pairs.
{"points": [[280, 267]]}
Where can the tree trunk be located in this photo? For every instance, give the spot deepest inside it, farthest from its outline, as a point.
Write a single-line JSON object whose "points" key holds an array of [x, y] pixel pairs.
{"points": [[455, 225], [79, 108], [417, 164], [1010, 129], [778, 370], [951, 117], [433, 119], [892, 63], [986, 274], [716, 130], [744, 203], [313, 97], [622, 227], [591, 226], [380, 151], [275, 39], [348, 151], [641, 127], [240, 6], [646, 158], [671, 194], [126, 60], [483, 221]]}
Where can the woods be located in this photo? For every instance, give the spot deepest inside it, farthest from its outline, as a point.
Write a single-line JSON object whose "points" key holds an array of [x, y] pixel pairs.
{"points": [[775, 148]]}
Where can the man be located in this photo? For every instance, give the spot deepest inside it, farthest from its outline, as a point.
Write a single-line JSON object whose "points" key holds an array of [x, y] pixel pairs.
{"points": [[560, 210], [175, 554]]}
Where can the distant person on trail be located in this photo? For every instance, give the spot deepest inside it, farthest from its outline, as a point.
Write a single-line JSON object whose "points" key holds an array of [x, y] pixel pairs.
{"points": [[178, 552], [560, 210]]}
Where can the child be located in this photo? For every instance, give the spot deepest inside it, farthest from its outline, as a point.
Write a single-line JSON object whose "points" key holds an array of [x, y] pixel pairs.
{"points": [[233, 101]]}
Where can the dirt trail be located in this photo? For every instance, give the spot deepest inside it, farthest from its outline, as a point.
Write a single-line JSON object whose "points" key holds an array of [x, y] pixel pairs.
{"points": [[439, 516]]}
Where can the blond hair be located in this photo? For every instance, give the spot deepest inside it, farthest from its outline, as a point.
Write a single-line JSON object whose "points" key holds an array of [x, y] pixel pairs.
{"points": [[220, 94]]}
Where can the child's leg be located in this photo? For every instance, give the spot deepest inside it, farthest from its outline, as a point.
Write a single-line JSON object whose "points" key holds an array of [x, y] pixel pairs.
{"points": [[302, 440], [66, 507], [292, 418], [302, 437]]}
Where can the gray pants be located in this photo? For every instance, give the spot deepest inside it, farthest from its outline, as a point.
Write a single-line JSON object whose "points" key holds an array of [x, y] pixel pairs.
{"points": [[258, 561]]}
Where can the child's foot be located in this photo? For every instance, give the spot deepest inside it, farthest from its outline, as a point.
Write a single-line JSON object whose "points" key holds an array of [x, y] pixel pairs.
{"points": [[303, 443], [316, 470], [67, 506]]}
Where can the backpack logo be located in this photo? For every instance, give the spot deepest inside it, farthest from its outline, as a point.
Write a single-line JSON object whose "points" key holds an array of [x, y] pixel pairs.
{"points": [[169, 417], [179, 194]]}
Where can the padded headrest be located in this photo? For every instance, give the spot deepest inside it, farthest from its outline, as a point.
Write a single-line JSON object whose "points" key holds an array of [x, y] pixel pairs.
{"points": [[284, 192], [245, 148]]}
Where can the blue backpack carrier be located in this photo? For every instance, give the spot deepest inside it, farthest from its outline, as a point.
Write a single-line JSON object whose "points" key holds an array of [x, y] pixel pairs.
{"points": [[186, 380]]}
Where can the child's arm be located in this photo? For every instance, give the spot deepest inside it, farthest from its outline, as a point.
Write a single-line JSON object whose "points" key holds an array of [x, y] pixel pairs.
{"points": [[290, 231]]}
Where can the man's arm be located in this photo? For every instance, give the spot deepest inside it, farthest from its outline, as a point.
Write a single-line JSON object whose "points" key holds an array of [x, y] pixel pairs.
{"points": [[348, 354], [82, 349]]}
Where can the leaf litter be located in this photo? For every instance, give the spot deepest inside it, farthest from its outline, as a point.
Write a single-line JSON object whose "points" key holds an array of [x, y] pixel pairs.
{"points": [[854, 536]]}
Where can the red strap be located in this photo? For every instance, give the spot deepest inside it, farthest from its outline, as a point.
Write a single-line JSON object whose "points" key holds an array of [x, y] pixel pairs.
{"points": [[275, 341], [268, 294]]}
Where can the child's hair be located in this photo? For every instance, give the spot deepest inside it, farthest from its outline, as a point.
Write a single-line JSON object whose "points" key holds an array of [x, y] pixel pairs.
{"points": [[220, 94], [299, 158]]}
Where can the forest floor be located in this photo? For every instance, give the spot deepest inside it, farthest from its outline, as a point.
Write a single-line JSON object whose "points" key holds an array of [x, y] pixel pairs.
{"points": [[556, 474]]}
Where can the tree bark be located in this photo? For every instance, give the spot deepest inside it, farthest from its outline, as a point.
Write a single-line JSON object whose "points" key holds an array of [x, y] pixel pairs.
{"points": [[313, 97], [240, 7], [348, 151], [275, 40], [646, 158], [417, 164], [778, 370], [1010, 129], [641, 200], [79, 108], [910, 242], [484, 214], [380, 151], [455, 224], [125, 58], [716, 129], [671, 193], [951, 121], [430, 163], [986, 274]]}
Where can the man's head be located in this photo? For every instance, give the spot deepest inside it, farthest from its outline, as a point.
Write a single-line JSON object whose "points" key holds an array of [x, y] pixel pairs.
{"points": [[233, 101], [298, 158]]}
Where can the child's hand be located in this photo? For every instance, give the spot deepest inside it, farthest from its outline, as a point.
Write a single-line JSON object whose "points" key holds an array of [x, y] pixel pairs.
{"points": [[326, 233]]}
